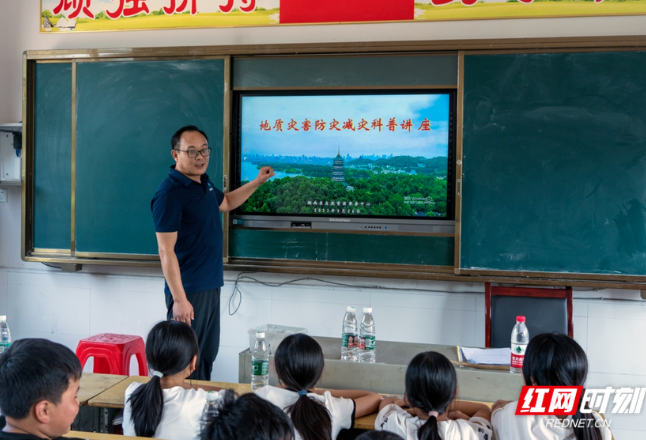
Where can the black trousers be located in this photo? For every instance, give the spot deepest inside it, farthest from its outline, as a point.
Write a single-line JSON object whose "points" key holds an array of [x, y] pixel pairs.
{"points": [[206, 308]]}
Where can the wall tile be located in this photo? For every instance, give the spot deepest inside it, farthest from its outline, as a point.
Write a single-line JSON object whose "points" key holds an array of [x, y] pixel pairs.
{"points": [[124, 311], [444, 301], [129, 283], [49, 309], [581, 331], [320, 319], [69, 340], [59, 279], [479, 336], [614, 345], [3, 292], [580, 308], [356, 297], [622, 310], [432, 326], [620, 421], [255, 309]]}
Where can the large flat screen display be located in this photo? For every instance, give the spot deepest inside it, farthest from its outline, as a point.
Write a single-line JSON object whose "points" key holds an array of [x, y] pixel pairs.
{"points": [[379, 155]]}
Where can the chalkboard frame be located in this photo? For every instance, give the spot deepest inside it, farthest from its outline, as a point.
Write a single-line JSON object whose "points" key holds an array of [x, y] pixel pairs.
{"points": [[71, 257], [570, 44]]}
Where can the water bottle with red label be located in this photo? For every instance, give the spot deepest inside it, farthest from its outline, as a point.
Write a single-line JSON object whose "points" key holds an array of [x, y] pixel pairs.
{"points": [[349, 335], [519, 341]]}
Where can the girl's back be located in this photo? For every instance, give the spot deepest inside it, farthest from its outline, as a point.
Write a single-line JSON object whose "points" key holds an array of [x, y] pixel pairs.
{"points": [[315, 414], [510, 426], [431, 413], [340, 410], [166, 407], [180, 419], [551, 359], [395, 419]]}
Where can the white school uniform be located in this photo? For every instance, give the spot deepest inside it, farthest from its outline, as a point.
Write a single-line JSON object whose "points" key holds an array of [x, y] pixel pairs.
{"points": [[341, 409], [394, 419], [181, 415], [508, 426]]}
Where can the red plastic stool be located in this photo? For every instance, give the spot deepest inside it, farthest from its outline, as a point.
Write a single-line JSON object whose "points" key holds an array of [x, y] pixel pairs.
{"points": [[112, 353]]}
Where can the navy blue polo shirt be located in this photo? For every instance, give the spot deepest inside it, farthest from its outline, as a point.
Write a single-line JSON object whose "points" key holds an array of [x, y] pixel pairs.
{"points": [[193, 211]]}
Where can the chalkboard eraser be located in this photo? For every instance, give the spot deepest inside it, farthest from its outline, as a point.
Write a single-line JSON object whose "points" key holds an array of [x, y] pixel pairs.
{"points": [[302, 225]]}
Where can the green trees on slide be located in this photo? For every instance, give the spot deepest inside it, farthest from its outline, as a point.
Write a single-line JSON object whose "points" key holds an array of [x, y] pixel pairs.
{"points": [[381, 194]]}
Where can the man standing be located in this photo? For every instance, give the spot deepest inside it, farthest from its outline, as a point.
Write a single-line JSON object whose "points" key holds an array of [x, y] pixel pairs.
{"points": [[186, 212]]}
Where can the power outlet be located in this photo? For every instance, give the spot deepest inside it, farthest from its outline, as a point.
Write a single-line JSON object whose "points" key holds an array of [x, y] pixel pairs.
{"points": [[3, 195]]}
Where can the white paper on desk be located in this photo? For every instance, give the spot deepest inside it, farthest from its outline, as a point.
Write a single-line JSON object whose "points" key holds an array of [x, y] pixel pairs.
{"points": [[486, 356]]}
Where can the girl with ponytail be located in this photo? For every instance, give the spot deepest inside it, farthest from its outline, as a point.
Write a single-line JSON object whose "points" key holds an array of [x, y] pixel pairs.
{"points": [[551, 359], [315, 414], [166, 407], [428, 411]]}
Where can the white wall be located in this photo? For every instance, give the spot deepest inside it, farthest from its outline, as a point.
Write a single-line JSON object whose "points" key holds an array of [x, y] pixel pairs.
{"points": [[44, 302]]}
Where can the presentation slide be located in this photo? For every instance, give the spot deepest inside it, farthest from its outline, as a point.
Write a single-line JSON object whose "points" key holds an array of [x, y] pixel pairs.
{"points": [[347, 155]]}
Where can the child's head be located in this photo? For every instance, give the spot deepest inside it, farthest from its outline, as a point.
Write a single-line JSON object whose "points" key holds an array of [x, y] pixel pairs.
{"points": [[431, 383], [39, 382], [554, 359], [171, 348], [249, 417], [299, 365]]}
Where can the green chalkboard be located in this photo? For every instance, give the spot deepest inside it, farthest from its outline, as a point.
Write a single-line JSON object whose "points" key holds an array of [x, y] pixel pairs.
{"points": [[554, 163], [325, 246], [52, 153], [127, 113]]}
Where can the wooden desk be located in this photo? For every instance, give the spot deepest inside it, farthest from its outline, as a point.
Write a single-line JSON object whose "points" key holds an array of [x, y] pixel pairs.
{"points": [[93, 384], [114, 397]]}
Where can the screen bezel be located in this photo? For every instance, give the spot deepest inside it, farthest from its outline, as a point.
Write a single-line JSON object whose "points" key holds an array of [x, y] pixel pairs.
{"points": [[240, 219]]}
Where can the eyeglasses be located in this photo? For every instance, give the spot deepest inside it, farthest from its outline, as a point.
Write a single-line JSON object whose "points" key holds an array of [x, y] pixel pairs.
{"points": [[193, 153]]}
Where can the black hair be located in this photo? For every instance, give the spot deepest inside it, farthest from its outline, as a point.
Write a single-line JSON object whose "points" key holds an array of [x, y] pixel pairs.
{"points": [[430, 386], [299, 365], [379, 435], [555, 359], [250, 417], [170, 348], [32, 370], [174, 141]]}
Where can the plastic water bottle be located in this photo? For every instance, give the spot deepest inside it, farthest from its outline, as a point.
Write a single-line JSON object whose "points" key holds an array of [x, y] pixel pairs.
{"points": [[367, 337], [519, 341], [349, 335], [211, 408], [259, 363], [5, 334]]}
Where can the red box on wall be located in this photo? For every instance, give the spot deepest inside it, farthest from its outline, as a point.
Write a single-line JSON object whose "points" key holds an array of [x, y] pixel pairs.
{"points": [[334, 11]]}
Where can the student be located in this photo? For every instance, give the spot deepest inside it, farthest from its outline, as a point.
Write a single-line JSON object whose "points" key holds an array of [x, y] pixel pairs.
{"points": [[250, 418], [316, 414], [166, 407], [551, 359], [431, 386], [39, 383]]}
